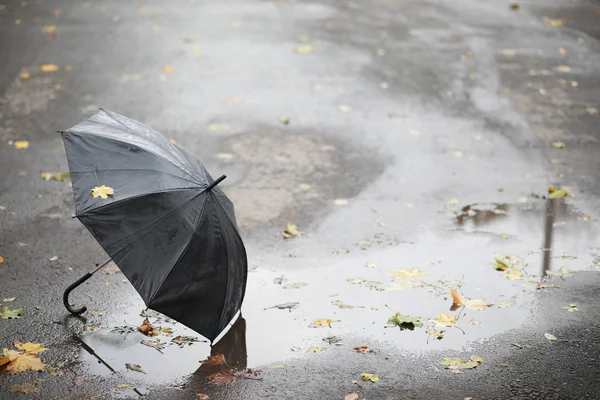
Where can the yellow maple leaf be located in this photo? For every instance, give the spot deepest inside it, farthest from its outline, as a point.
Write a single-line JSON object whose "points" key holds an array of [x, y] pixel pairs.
{"points": [[103, 192], [21, 144], [407, 273], [321, 322], [49, 68], [369, 377], [23, 360], [1, 259], [514, 274], [459, 301], [445, 320]]}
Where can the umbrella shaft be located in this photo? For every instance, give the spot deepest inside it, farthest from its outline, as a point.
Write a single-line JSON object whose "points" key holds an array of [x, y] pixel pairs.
{"points": [[96, 270]]}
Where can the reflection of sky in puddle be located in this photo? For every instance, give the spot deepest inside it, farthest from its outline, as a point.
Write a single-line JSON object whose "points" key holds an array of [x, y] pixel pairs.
{"points": [[464, 252]]}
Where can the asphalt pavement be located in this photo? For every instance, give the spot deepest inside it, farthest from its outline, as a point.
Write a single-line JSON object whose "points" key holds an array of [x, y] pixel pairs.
{"points": [[413, 144]]}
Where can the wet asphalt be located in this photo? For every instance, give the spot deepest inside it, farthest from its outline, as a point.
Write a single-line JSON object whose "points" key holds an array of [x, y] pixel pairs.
{"points": [[396, 135]]}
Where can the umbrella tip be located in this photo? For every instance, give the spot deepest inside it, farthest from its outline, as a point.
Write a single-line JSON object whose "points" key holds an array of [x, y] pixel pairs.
{"points": [[216, 182]]}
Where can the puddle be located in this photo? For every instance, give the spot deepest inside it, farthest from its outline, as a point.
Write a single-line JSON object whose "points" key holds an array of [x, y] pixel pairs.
{"points": [[461, 256]]}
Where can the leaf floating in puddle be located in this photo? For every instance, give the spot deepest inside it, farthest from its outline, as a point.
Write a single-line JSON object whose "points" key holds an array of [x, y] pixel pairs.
{"points": [[216, 359], [296, 285], [456, 364], [405, 321], [444, 320], [407, 274], [505, 236], [558, 145], [321, 323], [474, 322], [134, 367], [291, 231], [571, 308], [561, 192], [556, 23], [371, 265], [514, 274], [506, 303], [156, 344], [304, 49], [473, 304], [550, 337], [181, 341], [332, 339], [285, 306], [362, 349], [563, 273], [344, 306], [501, 263], [436, 334], [356, 281]]}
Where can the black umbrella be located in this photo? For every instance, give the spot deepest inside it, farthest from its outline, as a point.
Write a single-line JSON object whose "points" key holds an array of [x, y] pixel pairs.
{"points": [[158, 214]]}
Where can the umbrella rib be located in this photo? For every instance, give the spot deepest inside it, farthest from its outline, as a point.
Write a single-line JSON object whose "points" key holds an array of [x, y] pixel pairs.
{"points": [[121, 141], [84, 213], [182, 253], [134, 169]]}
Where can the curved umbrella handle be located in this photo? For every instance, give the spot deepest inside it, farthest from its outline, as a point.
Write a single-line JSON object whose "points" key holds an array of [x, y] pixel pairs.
{"points": [[68, 291], [78, 282]]}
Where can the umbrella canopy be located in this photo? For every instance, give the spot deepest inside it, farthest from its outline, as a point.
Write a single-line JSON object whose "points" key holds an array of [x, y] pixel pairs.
{"points": [[168, 228]]}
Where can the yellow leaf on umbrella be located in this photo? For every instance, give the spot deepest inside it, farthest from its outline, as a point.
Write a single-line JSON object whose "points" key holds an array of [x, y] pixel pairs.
{"points": [[407, 273], [49, 68], [459, 301], [102, 192]]}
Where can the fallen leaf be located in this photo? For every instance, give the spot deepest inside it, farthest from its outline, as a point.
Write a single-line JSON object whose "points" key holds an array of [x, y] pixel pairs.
{"points": [[456, 364], [285, 306], [344, 306], [21, 144], [181, 341], [405, 322], [9, 299], [321, 323], [547, 286], [155, 344], [502, 263], [356, 281], [344, 108], [563, 68], [340, 202], [276, 366], [514, 6], [103, 192], [369, 377], [168, 69], [134, 367], [7, 312], [453, 202], [53, 258], [304, 49], [216, 359], [25, 75], [146, 328], [473, 304], [444, 320], [315, 350], [332, 339], [554, 193], [305, 187], [291, 231], [111, 269], [407, 274], [122, 385], [506, 303], [1, 260], [56, 11], [25, 388], [225, 377], [296, 285], [303, 39], [202, 396], [23, 359], [558, 145], [554, 22], [571, 308], [371, 265], [49, 28], [563, 273], [514, 274], [55, 176], [49, 68], [436, 334], [92, 328], [351, 396], [361, 349], [550, 337]]}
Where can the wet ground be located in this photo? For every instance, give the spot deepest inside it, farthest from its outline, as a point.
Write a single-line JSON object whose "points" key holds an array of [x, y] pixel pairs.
{"points": [[396, 135]]}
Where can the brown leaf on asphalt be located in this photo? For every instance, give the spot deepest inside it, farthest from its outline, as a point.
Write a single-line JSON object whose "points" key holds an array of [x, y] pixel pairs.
{"points": [[456, 364], [103, 192], [225, 377], [291, 231], [351, 396], [474, 304], [25, 388], [202, 396], [25, 75], [216, 359], [361, 349], [1, 260], [7, 312]]}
